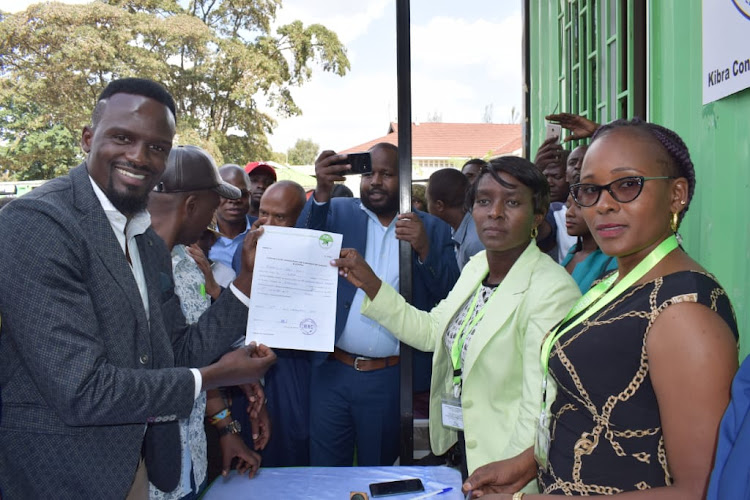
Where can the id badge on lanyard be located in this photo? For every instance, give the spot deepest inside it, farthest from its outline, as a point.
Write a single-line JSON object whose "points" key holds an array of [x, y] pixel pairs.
{"points": [[452, 413], [543, 439], [542, 442]]}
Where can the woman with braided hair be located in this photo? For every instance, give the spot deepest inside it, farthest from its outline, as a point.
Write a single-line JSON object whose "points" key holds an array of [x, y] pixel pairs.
{"points": [[642, 365]]}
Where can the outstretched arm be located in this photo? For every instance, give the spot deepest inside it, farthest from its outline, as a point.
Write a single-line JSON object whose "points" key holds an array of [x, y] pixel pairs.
{"points": [[579, 126]]}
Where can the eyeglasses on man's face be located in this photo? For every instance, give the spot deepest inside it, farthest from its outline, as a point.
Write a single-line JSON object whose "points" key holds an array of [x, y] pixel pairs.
{"points": [[623, 190]]}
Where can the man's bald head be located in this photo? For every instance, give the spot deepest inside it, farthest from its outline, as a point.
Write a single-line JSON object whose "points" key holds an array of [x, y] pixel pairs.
{"points": [[231, 171], [282, 203]]}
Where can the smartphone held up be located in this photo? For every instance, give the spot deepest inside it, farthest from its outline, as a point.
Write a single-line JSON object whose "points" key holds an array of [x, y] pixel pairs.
{"points": [[360, 163], [553, 130]]}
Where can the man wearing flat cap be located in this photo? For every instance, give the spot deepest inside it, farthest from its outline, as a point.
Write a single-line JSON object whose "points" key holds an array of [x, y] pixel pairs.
{"points": [[97, 362], [181, 207]]}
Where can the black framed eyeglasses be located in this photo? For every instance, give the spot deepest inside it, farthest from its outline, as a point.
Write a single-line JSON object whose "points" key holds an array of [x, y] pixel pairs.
{"points": [[623, 190]]}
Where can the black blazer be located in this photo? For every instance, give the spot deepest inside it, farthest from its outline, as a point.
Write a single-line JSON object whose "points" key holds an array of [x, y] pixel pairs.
{"points": [[81, 367]]}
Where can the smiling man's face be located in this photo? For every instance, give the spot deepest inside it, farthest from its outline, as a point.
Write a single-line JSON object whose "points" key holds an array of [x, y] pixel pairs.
{"points": [[128, 149]]}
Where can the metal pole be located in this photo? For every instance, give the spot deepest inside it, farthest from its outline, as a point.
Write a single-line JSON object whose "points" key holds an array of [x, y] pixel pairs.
{"points": [[403, 66], [525, 68]]}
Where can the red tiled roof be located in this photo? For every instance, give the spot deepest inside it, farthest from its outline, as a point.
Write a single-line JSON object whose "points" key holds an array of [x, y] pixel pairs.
{"points": [[515, 144], [449, 140]]}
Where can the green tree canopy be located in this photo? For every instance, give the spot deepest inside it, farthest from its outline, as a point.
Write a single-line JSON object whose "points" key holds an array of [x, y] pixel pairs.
{"points": [[225, 65], [304, 152]]}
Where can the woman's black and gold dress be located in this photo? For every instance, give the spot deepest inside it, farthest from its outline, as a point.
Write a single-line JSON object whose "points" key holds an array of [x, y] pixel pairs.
{"points": [[605, 425]]}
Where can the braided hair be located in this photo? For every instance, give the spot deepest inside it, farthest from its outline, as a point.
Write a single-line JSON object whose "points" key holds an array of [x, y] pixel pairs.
{"points": [[675, 147]]}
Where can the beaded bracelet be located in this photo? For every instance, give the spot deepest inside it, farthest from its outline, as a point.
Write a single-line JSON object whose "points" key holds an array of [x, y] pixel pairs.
{"points": [[220, 416]]}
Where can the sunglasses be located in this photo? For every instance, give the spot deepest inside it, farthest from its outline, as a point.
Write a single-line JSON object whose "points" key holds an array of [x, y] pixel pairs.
{"points": [[623, 190]]}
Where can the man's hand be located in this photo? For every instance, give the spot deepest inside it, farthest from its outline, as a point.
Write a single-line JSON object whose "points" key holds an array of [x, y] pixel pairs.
{"points": [[409, 227], [260, 423], [327, 174], [261, 428], [244, 281], [549, 153], [580, 127], [212, 287], [256, 398], [244, 365], [260, 221], [233, 447], [357, 271], [503, 476]]}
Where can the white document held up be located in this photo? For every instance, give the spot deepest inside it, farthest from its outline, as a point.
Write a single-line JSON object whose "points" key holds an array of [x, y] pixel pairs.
{"points": [[293, 300]]}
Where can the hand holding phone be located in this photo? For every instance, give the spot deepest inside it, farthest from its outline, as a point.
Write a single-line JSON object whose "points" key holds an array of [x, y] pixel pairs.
{"points": [[553, 130], [361, 163]]}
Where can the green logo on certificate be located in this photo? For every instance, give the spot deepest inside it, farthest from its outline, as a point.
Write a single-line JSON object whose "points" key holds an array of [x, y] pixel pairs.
{"points": [[325, 240]]}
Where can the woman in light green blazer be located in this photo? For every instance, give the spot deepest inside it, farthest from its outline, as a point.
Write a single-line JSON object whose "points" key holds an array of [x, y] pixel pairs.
{"points": [[502, 305]]}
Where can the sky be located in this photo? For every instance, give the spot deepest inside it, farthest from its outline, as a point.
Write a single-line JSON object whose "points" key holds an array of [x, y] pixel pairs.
{"points": [[465, 56]]}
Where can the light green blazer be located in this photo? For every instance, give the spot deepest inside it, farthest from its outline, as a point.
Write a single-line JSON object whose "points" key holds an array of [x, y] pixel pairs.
{"points": [[502, 392]]}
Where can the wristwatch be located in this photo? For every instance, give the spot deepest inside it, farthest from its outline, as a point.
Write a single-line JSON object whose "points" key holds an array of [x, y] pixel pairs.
{"points": [[234, 427]]}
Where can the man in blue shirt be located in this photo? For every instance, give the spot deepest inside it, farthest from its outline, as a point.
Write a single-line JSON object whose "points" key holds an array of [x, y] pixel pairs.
{"points": [[446, 199], [355, 390], [231, 216]]}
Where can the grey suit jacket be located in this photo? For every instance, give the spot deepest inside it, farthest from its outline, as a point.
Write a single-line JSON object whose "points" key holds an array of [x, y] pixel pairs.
{"points": [[81, 368]]}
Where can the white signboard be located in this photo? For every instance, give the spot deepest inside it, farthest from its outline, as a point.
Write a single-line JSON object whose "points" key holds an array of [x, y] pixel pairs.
{"points": [[726, 48]]}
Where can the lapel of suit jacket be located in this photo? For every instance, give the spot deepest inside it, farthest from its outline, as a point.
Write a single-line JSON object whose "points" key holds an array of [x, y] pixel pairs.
{"points": [[357, 231], [502, 305], [98, 232], [158, 282]]}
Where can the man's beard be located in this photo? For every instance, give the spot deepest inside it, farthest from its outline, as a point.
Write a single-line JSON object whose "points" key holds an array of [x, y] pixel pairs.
{"points": [[390, 206], [126, 203]]}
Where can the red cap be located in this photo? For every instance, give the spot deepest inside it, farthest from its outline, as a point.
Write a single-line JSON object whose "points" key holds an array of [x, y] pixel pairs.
{"points": [[260, 167]]}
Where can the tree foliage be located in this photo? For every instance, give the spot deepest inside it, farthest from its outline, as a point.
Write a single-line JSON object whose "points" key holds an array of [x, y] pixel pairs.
{"points": [[222, 60], [304, 152]]}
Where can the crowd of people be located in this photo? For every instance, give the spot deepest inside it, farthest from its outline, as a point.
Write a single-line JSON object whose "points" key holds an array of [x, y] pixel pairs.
{"points": [[565, 343]]}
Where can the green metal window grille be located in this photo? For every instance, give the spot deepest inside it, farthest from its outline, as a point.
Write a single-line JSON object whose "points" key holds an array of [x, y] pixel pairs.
{"points": [[602, 55]]}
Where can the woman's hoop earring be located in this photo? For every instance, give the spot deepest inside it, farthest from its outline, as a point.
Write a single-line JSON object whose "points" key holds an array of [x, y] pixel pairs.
{"points": [[534, 233], [674, 224]]}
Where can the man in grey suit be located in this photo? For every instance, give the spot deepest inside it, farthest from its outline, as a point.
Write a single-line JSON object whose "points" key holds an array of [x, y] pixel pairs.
{"points": [[96, 360]]}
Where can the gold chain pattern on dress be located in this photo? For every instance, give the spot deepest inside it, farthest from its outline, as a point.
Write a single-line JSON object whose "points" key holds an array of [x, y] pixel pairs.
{"points": [[603, 430]]}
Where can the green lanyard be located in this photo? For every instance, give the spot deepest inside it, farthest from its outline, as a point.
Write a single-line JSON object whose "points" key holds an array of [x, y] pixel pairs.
{"points": [[598, 297], [458, 344]]}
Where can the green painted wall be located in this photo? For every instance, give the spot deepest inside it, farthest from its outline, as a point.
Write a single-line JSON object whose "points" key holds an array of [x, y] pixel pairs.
{"points": [[716, 229], [544, 52]]}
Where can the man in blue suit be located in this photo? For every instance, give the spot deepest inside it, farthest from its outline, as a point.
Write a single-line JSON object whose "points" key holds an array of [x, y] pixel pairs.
{"points": [[355, 390], [731, 475]]}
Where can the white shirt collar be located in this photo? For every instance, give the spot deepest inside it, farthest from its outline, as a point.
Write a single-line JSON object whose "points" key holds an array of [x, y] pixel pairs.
{"points": [[138, 224], [374, 218]]}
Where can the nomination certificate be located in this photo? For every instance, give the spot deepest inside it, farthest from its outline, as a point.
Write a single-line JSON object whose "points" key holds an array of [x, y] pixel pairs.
{"points": [[293, 299]]}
